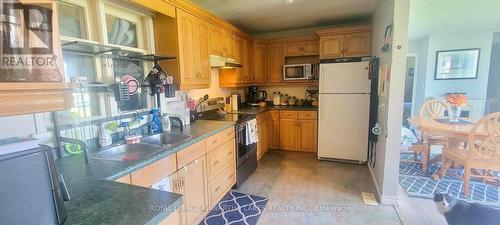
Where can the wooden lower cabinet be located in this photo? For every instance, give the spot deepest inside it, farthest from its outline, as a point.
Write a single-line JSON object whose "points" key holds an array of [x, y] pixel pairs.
{"points": [[288, 134], [274, 129], [297, 131], [200, 175], [195, 190], [263, 127], [307, 133]]}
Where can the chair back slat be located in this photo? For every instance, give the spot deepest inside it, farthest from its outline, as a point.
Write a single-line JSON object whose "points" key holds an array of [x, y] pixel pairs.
{"points": [[433, 109], [490, 146]]}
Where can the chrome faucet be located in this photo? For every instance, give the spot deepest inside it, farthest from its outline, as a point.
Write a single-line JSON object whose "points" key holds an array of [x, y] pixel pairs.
{"points": [[82, 144]]}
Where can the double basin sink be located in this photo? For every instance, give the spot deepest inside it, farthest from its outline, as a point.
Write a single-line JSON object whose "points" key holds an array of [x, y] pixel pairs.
{"points": [[148, 146]]}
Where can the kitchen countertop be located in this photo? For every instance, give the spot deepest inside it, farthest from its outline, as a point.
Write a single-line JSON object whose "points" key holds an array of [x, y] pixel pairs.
{"points": [[97, 199], [257, 109]]}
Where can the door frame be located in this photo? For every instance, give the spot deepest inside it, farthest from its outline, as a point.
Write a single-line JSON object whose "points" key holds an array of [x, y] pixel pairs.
{"points": [[415, 73]]}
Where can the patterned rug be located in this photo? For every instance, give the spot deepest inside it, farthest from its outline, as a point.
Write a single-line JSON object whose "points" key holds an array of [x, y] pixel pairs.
{"points": [[418, 183], [236, 208]]}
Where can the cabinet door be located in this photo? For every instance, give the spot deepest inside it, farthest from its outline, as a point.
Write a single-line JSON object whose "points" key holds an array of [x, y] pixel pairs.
{"points": [[274, 62], [216, 41], [187, 40], [201, 47], [173, 219], [247, 62], [259, 56], [229, 43], [331, 46], [288, 134], [306, 135], [310, 47], [293, 48], [357, 44], [267, 140], [274, 129], [195, 191], [239, 50]]}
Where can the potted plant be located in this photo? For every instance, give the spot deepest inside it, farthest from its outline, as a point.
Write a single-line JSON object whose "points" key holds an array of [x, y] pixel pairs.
{"points": [[456, 102]]}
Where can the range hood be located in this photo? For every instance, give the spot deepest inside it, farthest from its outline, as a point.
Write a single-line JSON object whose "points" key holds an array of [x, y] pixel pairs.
{"points": [[220, 62]]}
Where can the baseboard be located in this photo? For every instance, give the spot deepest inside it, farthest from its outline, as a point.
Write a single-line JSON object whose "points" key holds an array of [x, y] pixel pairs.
{"points": [[384, 199]]}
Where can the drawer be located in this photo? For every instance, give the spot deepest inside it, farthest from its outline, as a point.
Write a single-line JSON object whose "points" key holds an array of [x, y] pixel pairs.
{"points": [[189, 154], [288, 114], [149, 175], [214, 141], [275, 114], [228, 134], [220, 158], [308, 115], [220, 184]]}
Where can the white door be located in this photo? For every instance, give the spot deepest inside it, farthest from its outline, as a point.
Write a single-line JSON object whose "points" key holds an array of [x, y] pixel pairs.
{"points": [[344, 78], [343, 126]]}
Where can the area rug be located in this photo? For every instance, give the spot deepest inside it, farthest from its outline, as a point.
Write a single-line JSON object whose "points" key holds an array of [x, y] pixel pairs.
{"points": [[236, 208], [418, 183]]}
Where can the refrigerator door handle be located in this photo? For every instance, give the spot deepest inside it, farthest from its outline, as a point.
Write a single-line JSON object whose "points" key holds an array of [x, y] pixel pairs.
{"points": [[321, 79], [321, 113]]}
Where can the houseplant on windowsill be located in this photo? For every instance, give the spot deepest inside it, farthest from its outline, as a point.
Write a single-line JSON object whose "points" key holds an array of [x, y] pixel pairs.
{"points": [[456, 102]]}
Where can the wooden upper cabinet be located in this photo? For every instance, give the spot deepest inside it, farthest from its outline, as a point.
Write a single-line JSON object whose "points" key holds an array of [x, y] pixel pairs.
{"points": [[239, 46], [203, 58], [216, 39], [259, 56], [293, 48], [274, 62], [310, 47], [357, 44], [301, 48], [187, 41], [247, 61], [229, 44], [331, 47], [353, 41]]}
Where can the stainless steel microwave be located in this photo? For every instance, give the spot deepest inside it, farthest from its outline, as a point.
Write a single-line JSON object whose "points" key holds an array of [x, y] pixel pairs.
{"points": [[298, 72]]}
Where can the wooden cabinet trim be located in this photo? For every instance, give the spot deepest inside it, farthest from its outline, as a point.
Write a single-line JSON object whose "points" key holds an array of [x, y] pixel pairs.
{"points": [[307, 115], [220, 158]]}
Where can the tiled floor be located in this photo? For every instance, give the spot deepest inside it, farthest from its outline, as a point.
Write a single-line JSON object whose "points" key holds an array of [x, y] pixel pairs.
{"points": [[303, 190]]}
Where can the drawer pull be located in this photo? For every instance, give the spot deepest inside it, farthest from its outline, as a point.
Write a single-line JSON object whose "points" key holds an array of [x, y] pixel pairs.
{"points": [[216, 189], [229, 153], [231, 176], [215, 141], [216, 162]]}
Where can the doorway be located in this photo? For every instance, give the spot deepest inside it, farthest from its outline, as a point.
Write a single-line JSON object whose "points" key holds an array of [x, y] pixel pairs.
{"points": [[409, 93]]}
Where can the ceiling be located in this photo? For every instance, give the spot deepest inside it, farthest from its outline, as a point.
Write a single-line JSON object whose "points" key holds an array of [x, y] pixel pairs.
{"points": [[431, 16], [265, 16]]}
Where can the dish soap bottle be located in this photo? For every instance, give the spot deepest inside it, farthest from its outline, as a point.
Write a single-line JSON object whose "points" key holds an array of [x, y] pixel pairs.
{"points": [[165, 123], [155, 120]]}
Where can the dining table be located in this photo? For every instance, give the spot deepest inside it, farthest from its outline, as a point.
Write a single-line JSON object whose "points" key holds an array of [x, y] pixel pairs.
{"points": [[456, 132]]}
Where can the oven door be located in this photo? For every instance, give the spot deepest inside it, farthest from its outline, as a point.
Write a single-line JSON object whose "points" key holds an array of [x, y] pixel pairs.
{"points": [[243, 149]]}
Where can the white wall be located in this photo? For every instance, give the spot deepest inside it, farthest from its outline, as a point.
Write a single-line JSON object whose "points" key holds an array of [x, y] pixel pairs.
{"points": [[475, 89], [386, 171]]}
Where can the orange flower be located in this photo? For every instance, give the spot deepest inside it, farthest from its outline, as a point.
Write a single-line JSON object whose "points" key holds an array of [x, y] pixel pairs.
{"points": [[457, 100]]}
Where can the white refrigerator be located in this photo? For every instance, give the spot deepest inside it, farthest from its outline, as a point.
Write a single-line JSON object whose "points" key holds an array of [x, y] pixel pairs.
{"points": [[344, 111]]}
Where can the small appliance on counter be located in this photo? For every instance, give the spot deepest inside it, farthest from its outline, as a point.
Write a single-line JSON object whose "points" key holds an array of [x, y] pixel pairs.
{"points": [[31, 190], [256, 96], [276, 98]]}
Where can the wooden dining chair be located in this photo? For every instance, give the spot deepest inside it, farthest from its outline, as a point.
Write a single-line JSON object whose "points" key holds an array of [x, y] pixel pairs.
{"points": [[482, 153], [432, 109]]}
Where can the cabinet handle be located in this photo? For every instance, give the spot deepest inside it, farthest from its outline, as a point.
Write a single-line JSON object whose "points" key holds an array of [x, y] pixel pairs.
{"points": [[215, 141], [216, 162], [229, 153], [182, 182], [177, 185], [231, 176], [216, 189]]}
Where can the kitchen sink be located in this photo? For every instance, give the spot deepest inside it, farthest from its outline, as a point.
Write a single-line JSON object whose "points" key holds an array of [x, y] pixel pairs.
{"points": [[127, 152], [166, 139]]}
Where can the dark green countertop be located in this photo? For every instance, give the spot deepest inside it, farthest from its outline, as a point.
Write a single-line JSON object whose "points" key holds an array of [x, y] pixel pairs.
{"points": [[257, 110], [97, 200]]}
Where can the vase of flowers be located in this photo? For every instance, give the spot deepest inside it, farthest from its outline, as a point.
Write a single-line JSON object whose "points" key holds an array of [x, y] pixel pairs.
{"points": [[456, 101]]}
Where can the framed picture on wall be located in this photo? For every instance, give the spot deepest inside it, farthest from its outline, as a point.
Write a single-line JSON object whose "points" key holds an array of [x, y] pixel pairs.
{"points": [[457, 64]]}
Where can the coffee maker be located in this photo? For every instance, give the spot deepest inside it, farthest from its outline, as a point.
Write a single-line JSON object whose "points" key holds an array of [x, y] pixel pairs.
{"points": [[255, 96]]}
